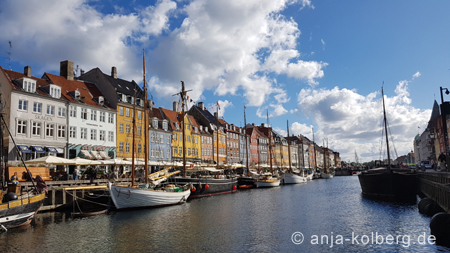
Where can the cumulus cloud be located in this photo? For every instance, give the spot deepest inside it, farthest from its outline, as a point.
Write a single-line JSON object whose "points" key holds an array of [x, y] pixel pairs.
{"points": [[354, 122], [416, 75]]}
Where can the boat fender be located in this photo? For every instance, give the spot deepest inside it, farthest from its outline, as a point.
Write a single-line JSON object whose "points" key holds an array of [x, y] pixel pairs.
{"points": [[234, 187], [206, 186], [10, 196], [440, 227], [193, 189]]}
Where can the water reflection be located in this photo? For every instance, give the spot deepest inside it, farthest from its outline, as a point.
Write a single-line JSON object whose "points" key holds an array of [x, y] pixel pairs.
{"points": [[253, 220]]}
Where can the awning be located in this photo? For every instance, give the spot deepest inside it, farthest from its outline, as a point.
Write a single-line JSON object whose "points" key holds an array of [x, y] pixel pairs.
{"points": [[96, 155], [60, 150], [24, 148], [104, 155], [38, 149], [86, 154], [51, 149]]}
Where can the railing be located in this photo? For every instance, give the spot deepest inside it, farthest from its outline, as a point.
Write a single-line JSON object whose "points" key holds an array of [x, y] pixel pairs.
{"points": [[436, 185]]}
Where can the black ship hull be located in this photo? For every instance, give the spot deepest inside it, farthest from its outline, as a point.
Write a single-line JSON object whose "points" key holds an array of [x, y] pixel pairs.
{"points": [[246, 182], [397, 185], [18, 212], [205, 187]]}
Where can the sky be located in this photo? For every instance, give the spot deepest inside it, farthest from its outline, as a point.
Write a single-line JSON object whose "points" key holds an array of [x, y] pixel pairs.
{"points": [[313, 65]]}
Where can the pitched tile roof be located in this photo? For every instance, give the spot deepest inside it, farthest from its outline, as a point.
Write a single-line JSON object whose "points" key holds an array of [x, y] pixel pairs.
{"points": [[13, 75]]}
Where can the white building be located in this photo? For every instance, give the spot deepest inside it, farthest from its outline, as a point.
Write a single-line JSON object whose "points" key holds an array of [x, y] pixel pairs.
{"points": [[91, 120], [36, 115]]}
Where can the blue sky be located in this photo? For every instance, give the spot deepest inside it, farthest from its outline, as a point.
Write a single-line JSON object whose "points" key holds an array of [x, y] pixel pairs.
{"points": [[318, 64]]}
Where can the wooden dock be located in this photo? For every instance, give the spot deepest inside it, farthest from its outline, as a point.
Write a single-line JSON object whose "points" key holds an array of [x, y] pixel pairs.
{"points": [[61, 194], [436, 186]]}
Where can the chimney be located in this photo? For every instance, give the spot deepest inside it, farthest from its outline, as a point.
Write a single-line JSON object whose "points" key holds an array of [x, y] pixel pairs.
{"points": [[81, 72], [114, 72], [201, 105], [175, 106], [27, 71], [66, 70], [150, 104]]}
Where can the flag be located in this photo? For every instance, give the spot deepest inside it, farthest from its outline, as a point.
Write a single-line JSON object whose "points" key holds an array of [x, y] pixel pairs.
{"points": [[245, 107]]}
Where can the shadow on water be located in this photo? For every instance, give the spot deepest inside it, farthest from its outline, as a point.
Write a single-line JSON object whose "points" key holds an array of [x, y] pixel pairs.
{"points": [[252, 220]]}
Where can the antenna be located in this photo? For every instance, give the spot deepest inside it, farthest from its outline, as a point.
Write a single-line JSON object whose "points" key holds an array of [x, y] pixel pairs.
{"points": [[9, 54]]}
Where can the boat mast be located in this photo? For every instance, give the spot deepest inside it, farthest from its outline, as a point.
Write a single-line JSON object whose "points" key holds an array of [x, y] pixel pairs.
{"points": [[315, 154], [386, 132], [270, 142], [133, 142], [183, 94], [246, 145], [217, 144], [289, 146], [145, 124]]}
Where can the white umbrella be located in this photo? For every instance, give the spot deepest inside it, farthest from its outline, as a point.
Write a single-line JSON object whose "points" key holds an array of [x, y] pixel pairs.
{"points": [[82, 161], [115, 161], [50, 160]]}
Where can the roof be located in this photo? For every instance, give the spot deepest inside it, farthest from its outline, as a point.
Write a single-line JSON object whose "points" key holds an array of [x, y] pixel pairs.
{"points": [[207, 114], [88, 91], [436, 112], [172, 116], [13, 75]]}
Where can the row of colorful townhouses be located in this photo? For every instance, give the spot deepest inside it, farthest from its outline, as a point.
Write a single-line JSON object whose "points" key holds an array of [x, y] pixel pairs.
{"points": [[91, 116]]}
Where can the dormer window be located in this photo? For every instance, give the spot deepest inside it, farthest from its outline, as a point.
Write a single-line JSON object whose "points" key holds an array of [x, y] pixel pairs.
{"points": [[155, 123], [77, 94], [28, 84], [55, 91], [178, 126], [101, 100], [201, 128], [165, 125]]}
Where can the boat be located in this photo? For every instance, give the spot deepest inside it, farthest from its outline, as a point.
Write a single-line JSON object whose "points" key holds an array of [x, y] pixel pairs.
{"points": [[291, 176], [327, 175], [88, 214], [17, 209], [268, 181], [148, 194], [204, 181], [388, 183], [248, 181]]}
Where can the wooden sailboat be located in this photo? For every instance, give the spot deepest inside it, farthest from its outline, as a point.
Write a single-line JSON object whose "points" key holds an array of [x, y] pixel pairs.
{"points": [[388, 183], [326, 174], [247, 181], [268, 179], [290, 177], [209, 181], [150, 194], [19, 210]]}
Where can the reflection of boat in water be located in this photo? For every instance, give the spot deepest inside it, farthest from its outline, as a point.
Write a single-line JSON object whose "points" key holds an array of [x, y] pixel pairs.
{"points": [[387, 183], [327, 175], [88, 214]]}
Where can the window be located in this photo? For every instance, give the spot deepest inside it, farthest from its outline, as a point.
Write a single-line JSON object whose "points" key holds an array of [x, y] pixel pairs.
{"points": [[165, 126], [139, 148], [61, 131], [36, 128], [102, 135], [84, 113], [180, 151], [175, 137], [152, 137], [175, 150], [83, 133], [139, 115], [139, 130], [127, 147], [110, 136], [23, 105], [102, 116], [127, 111], [93, 115], [73, 111], [94, 134], [50, 110], [161, 138], [49, 130], [21, 126], [162, 154], [61, 112], [121, 111], [152, 154], [73, 132], [189, 138], [37, 107], [155, 123], [157, 153], [110, 118], [128, 128], [189, 151], [168, 139], [168, 153], [121, 128], [121, 146]]}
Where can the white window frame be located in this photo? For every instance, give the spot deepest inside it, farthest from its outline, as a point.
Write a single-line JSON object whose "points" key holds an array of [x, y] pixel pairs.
{"points": [[22, 105], [22, 127], [37, 107]]}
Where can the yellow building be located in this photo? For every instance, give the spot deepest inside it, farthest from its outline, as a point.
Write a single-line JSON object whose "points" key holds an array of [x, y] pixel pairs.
{"points": [[125, 112]]}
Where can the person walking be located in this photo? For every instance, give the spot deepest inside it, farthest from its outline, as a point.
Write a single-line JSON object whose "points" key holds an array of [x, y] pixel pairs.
{"points": [[442, 162], [75, 173]]}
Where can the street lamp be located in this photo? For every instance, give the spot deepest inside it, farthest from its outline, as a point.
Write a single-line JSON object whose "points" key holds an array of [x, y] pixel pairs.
{"points": [[444, 109]]}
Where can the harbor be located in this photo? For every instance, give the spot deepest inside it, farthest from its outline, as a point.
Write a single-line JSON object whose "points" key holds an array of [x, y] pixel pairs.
{"points": [[252, 220]]}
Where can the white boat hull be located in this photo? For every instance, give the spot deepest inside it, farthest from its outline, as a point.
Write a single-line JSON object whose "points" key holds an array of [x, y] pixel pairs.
{"points": [[264, 183], [327, 176], [127, 197], [290, 178]]}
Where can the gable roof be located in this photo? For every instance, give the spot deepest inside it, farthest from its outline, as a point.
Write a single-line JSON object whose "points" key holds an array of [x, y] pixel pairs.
{"points": [[14, 75], [88, 91]]}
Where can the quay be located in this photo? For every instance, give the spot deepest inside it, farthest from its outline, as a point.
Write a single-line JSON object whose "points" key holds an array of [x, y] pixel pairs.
{"points": [[61, 194], [436, 186]]}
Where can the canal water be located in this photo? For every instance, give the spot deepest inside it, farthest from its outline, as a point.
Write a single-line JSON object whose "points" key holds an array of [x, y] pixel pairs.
{"points": [[325, 215]]}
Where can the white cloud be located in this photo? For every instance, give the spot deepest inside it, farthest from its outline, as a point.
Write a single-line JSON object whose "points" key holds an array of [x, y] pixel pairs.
{"points": [[416, 75], [222, 107], [353, 121]]}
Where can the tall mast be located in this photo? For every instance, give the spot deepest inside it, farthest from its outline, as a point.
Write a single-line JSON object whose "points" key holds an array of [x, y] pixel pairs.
{"points": [[133, 142], [270, 141], [145, 124], [217, 145], [315, 154], [183, 94], [289, 147], [385, 129], [246, 145]]}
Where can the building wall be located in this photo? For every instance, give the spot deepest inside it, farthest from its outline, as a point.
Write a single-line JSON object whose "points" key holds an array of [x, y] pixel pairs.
{"points": [[125, 139]]}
